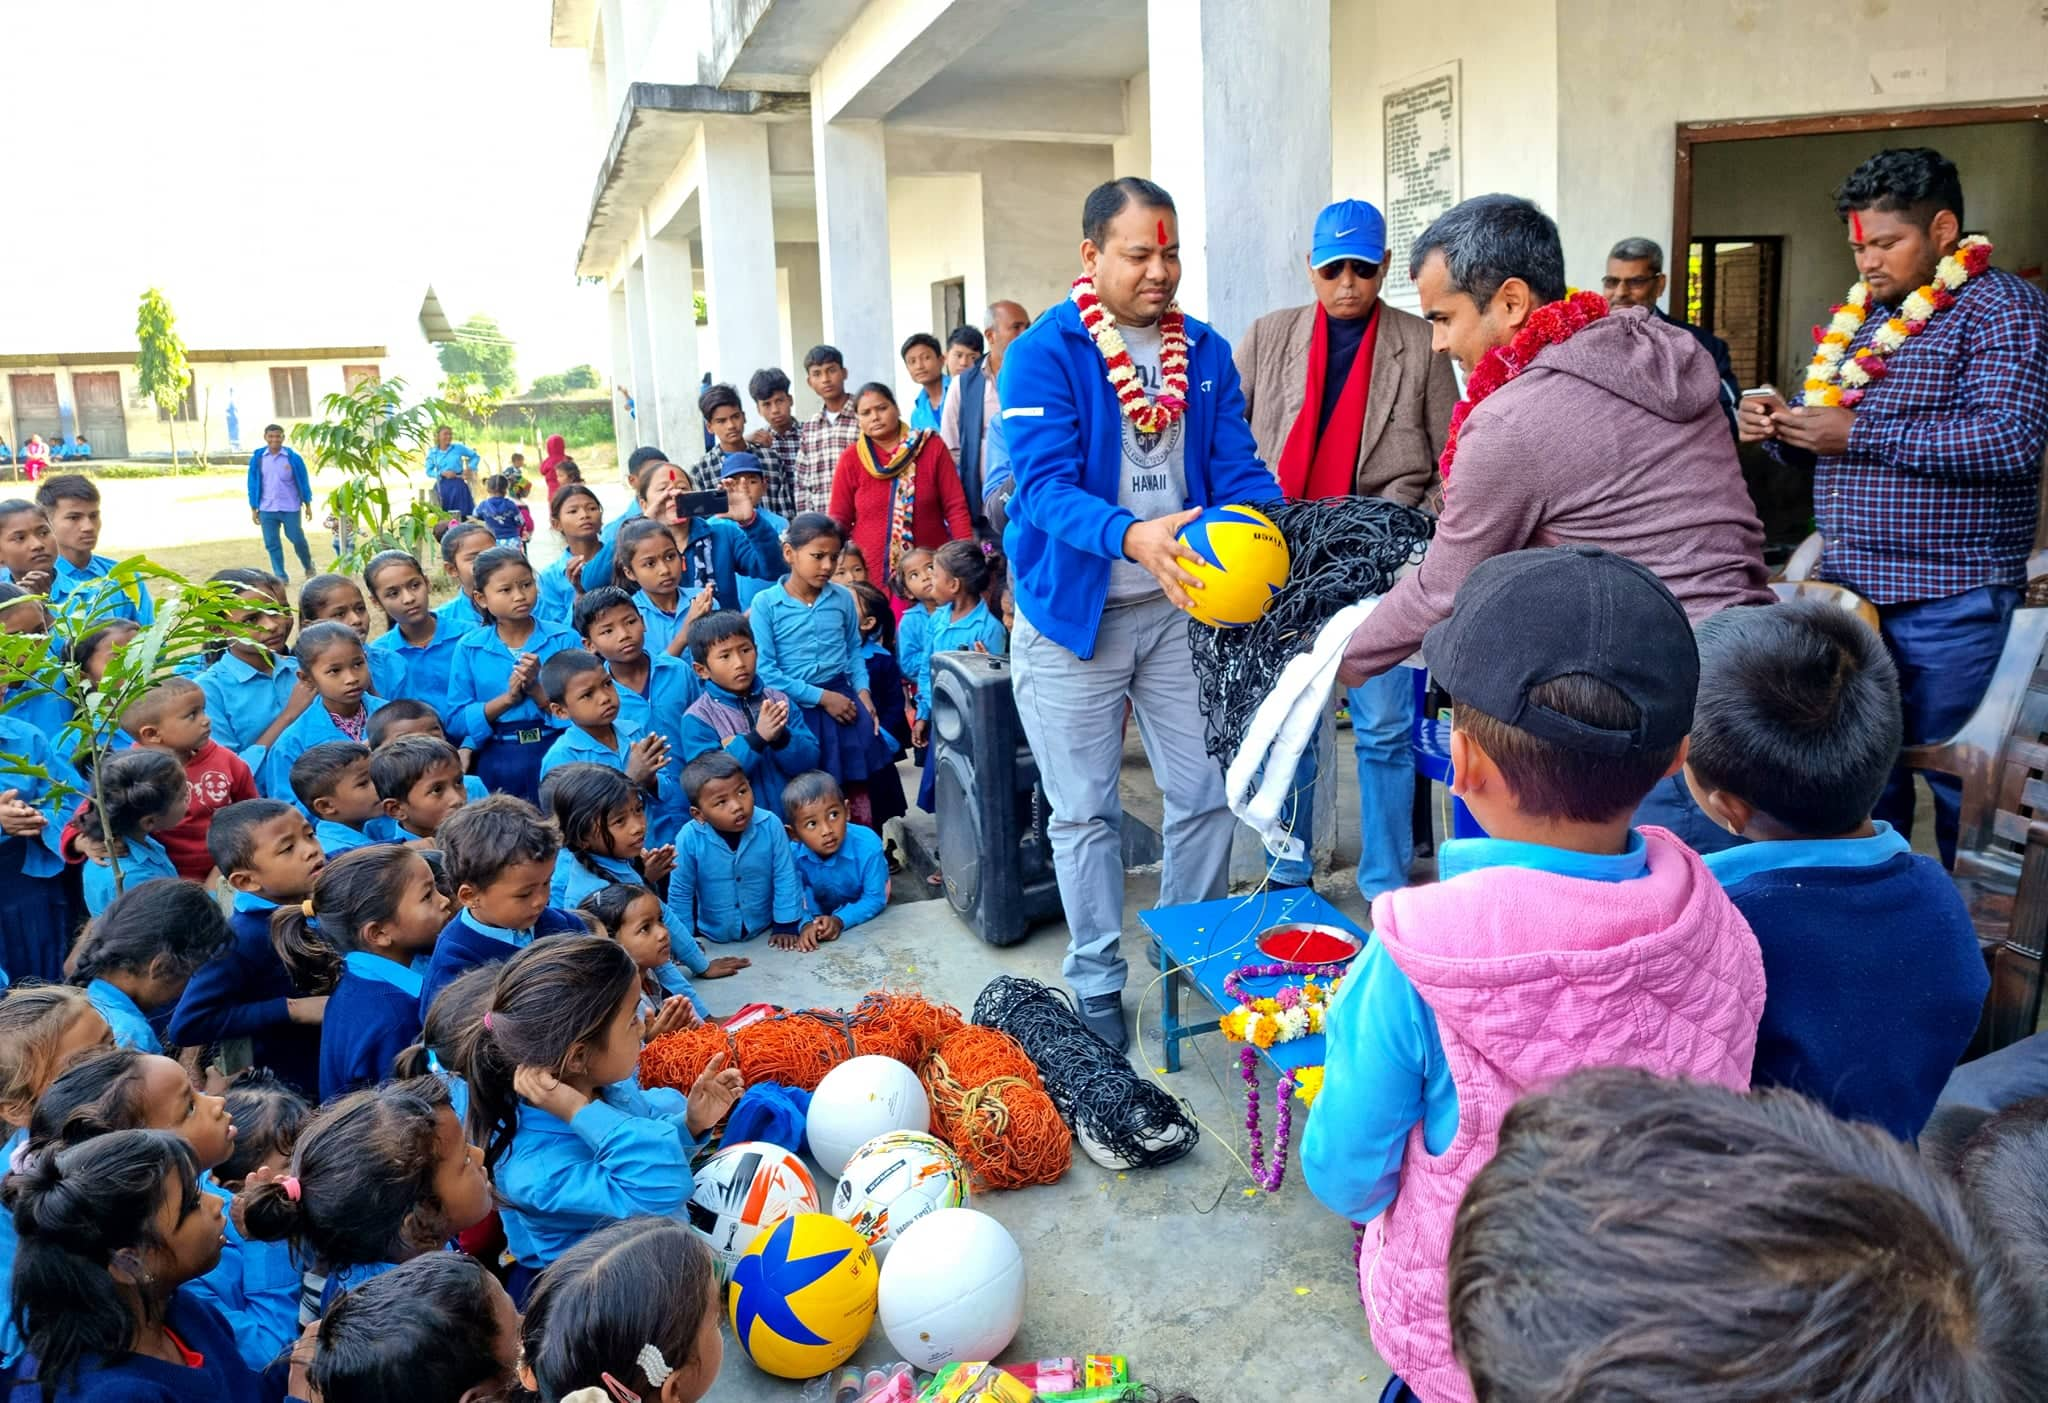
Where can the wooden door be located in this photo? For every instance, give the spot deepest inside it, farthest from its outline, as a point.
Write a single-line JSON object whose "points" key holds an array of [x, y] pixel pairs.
{"points": [[100, 416], [35, 409]]}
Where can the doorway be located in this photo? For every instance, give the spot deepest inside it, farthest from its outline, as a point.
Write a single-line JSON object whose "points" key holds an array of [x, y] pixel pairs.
{"points": [[35, 408], [100, 417]]}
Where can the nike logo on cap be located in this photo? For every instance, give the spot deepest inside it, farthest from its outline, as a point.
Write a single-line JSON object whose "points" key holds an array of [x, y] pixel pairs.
{"points": [[1342, 232]]}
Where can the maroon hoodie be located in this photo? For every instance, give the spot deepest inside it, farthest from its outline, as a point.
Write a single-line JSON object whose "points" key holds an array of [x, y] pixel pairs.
{"points": [[1614, 438]]}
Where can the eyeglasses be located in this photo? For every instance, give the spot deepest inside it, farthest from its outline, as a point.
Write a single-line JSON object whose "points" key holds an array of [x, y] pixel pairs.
{"points": [[1636, 284], [1360, 269]]}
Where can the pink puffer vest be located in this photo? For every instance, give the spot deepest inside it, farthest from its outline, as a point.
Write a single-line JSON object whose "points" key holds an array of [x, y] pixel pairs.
{"points": [[1532, 975]]}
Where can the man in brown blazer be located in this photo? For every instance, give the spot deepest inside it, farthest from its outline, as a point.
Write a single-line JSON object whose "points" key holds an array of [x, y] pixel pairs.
{"points": [[1346, 398]]}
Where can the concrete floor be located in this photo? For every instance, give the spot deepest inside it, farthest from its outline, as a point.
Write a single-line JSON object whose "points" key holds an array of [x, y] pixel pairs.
{"points": [[1207, 1285]]}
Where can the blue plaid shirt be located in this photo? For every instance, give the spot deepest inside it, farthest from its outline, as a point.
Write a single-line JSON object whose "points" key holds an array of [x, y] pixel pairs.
{"points": [[1940, 487]]}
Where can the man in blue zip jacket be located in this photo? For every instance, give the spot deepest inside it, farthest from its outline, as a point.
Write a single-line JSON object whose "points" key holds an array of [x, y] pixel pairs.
{"points": [[280, 494], [1099, 585]]}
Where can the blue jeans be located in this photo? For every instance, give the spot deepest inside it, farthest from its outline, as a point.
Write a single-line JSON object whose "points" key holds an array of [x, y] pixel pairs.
{"points": [[1946, 651], [1382, 715], [288, 523]]}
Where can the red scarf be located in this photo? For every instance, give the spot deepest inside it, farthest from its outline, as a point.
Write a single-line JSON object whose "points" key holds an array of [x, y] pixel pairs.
{"points": [[1549, 325], [1328, 467]]}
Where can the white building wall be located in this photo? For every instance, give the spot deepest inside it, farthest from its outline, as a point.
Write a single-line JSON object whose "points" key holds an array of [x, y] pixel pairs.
{"points": [[803, 318], [1131, 154], [935, 235]]}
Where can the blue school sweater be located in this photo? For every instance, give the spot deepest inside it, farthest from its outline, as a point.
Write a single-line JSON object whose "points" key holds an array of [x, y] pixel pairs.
{"points": [[672, 684], [467, 942], [242, 701], [852, 884], [628, 1152], [1872, 976], [581, 875], [124, 1016], [255, 1288], [666, 805], [724, 893], [145, 861], [241, 993], [951, 635], [720, 720], [315, 726], [373, 1015], [222, 1376]]}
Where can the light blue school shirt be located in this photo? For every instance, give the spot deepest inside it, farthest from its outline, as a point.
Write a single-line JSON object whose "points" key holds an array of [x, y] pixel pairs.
{"points": [[914, 640], [664, 624], [388, 677], [242, 702], [146, 861], [452, 461], [666, 805], [557, 602], [803, 646], [483, 665], [47, 712], [600, 569], [423, 669], [749, 586], [315, 726], [11, 1343], [727, 894], [338, 838], [458, 616], [73, 593], [124, 1016], [951, 635], [626, 1153], [582, 875], [922, 414], [672, 684], [41, 856], [255, 1286], [1738, 864], [1385, 1061], [852, 884]]}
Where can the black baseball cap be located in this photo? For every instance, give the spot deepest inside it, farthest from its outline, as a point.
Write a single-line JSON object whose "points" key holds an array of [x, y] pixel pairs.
{"points": [[1532, 616]]}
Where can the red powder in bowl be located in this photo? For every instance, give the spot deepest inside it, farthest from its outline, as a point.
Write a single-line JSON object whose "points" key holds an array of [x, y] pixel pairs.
{"points": [[1306, 946]]}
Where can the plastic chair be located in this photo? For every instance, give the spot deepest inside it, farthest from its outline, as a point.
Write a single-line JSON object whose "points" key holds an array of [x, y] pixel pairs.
{"points": [[1430, 740]]}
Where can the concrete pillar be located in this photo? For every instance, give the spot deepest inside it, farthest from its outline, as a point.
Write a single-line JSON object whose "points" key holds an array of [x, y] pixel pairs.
{"points": [[806, 317], [1240, 135], [672, 336], [624, 432], [646, 388], [852, 175], [738, 230]]}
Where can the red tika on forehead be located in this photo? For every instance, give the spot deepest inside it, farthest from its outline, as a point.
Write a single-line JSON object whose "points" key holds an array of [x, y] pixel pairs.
{"points": [[1162, 233], [1856, 225]]}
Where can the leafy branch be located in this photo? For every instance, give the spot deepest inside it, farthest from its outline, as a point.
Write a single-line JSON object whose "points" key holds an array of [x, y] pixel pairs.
{"points": [[376, 440]]}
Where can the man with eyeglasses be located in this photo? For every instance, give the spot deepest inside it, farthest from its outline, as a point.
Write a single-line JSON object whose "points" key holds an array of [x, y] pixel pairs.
{"points": [[1635, 278], [1346, 398]]}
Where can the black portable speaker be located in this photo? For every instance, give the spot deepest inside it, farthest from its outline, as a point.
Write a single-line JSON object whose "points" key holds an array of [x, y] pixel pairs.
{"points": [[993, 852]]}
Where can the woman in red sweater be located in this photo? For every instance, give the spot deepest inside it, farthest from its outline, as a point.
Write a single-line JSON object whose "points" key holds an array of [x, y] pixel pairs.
{"points": [[895, 490]]}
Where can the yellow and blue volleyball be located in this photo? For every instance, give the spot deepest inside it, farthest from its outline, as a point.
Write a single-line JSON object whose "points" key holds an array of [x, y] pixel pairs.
{"points": [[1243, 563], [803, 1296]]}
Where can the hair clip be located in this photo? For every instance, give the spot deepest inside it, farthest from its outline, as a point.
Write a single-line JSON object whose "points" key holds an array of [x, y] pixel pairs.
{"points": [[653, 1365], [306, 906], [487, 1021], [290, 1184], [619, 1392]]}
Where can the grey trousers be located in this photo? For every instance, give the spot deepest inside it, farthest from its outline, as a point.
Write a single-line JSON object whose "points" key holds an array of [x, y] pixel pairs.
{"points": [[1073, 715]]}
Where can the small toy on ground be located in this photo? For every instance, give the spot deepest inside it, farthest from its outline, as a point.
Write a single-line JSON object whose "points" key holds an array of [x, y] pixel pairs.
{"points": [[895, 1180], [859, 1100], [742, 1190], [803, 1296], [952, 1289]]}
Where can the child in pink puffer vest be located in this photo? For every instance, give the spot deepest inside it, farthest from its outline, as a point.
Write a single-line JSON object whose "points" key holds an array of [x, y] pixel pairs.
{"points": [[1566, 939]]}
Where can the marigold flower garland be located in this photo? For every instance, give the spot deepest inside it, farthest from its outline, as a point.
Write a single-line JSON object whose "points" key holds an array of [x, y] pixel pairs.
{"points": [[1549, 325], [1835, 377], [1289, 1014], [1148, 415]]}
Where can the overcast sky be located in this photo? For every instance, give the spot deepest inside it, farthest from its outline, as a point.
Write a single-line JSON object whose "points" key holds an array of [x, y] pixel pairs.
{"points": [[297, 145]]}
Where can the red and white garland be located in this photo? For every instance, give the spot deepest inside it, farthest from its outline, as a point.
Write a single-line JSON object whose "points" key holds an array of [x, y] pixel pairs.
{"points": [[1837, 378], [1548, 325], [1148, 415]]}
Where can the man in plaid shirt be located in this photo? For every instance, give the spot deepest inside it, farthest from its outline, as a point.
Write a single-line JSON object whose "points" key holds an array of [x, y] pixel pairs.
{"points": [[826, 434], [1927, 491], [770, 391], [727, 421]]}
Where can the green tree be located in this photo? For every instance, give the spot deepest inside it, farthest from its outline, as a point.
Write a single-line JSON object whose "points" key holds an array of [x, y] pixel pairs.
{"points": [[482, 350], [160, 367], [562, 383], [476, 401], [189, 618], [703, 312], [376, 440]]}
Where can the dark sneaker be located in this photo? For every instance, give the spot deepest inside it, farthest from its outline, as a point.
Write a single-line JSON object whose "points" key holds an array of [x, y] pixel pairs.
{"points": [[1104, 1015]]}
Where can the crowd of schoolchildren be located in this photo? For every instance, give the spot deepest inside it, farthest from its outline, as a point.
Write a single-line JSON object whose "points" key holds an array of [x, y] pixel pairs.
{"points": [[353, 958]]}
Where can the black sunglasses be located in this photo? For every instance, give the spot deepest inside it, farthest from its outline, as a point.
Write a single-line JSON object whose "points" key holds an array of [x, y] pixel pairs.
{"points": [[1360, 269]]}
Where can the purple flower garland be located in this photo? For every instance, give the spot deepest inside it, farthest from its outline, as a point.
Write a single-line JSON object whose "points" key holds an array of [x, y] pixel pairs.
{"points": [[1271, 1178]]}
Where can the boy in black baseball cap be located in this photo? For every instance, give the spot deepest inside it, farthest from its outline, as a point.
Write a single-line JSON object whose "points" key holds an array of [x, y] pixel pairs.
{"points": [[1565, 939]]}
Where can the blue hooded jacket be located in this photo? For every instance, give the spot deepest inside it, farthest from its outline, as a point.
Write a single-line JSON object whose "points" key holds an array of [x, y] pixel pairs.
{"points": [[1065, 435]]}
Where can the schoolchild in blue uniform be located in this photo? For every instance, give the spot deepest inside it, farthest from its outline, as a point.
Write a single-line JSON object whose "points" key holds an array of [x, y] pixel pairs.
{"points": [[494, 687], [878, 643], [741, 476], [423, 642], [379, 910], [419, 783], [35, 912], [78, 588], [844, 871], [582, 1144], [331, 658], [461, 544], [581, 693], [266, 850], [634, 916], [961, 624], [808, 632], [449, 1018], [100, 1334], [267, 1116], [652, 566], [603, 567], [734, 878], [336, 599], [376, 1178], [332, 782], [604, 828], [498, 856], [409, 716], [578, 516], [757, 725], [252, 691], [655, 688], [144, 791], [38, 705], [137, 957]]}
